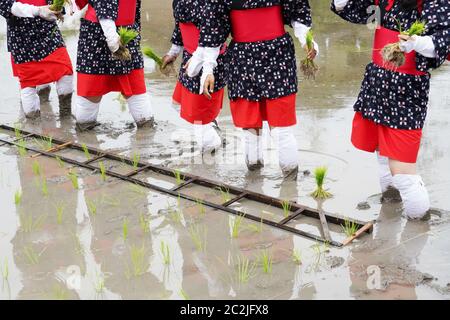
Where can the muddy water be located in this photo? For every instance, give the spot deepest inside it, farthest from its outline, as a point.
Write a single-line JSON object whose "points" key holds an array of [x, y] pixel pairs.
{"points": [[84, 253]]}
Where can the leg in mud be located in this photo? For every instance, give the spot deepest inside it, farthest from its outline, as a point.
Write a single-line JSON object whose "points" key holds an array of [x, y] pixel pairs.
{"points": [[64, 88], [253, 148], [287, 150], [141, 110], [416, 201], [44, 92], [86, 112], [207, 137], [31, 103], [389, 193]]}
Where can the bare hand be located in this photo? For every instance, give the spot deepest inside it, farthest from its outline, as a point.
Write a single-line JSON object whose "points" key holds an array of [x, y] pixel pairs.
{"points": [[166, 60], [404, 37], [311, 53], [209, 86]]}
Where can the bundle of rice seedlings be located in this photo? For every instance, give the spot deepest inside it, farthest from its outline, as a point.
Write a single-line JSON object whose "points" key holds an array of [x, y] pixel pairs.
{"points": [[307, 65], [320, 192], [147, 51], [392, 54], [58, 5], [126, 36]]}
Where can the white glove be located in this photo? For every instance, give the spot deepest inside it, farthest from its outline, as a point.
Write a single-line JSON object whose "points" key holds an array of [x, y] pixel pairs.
{"points": [[196, 62], [210, 56], [340, 4], [300, 31], [45, 13], [423, 45], [110, 31], [23, 10], [175, 50]]}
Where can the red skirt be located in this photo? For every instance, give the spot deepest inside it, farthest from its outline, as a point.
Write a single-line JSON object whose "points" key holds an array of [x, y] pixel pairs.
{"points": [[96, 85], [48, 70], [396, 144], [196, 108], [278, 112]]}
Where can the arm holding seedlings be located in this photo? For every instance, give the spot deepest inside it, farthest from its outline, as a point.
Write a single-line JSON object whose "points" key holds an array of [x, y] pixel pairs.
{"points": [[354, 11], [22, 10], [175, 49]]}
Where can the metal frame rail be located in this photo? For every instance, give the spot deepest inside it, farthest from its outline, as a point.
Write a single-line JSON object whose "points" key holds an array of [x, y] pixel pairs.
{"points": [[188, 179]]}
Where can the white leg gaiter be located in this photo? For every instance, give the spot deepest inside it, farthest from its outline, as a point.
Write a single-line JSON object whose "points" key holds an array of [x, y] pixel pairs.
{"points": [[287, 148], [140, 107], [253, 148], [207, 137], [64, 85], [86, 111], [42, 87], [416, 201], [30, 100], [384, 172]]}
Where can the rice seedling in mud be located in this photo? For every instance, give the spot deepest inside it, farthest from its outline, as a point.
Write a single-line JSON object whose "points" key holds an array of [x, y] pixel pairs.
{"points": [[125, 226], [175, 215], [59, 293], [201, 207], [21, 147], [59, 213], [265, 259], [5, 270], [137, 189], [92, 207], [144, 223], [99, 284], [29, 224], [86, 151], [165, 253], [297, 256], [110, 201], [79, 248], [392, 54], [286, 205], [17, 132], [245, 269], [30, 255], [102, 168], [138, 264], [235, 225], [36, 167], [73, 177], [307, 65], [256, 228], [45, 143], [136, 160], [148, 52], [320, 175], [178, 176], [198, 236], [126, 36], [17, 197], [350, 228], [225, 193], [60, 162], [44, 187], [183, 294]]}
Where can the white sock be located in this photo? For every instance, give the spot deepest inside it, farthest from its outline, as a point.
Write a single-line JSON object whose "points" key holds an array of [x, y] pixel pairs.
{"points": [[253, 146], [30, 100], [64, 86], [416, 201], [287, 147], [140, 107], [86, 111], [207, 137], [384, 173]]}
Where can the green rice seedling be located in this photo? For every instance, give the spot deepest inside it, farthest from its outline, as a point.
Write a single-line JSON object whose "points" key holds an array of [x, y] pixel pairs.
{"points": [[74, 179], [36, 168], [198, 236], [5, 270], [201, 207], [18, 197], [235, 225], [125, 225], [148, 52], [59, 213], [165, 253], [57, 5], [110, 201], [101, 165], [392, 54], [79, 249], [266, 261], [307, 65], [126, 36], [178, 176], [31, 256], [48, 142], [86, 151], [350, 228], [59, 293], [183, 294], [44, 187], [245, 269], [138, 189], [136, 160], [21, 147], [175, 215], [256, 228], [144, 223], [138, 262], [29, 224], [320, 175], [99, 284], [225, 193], [60, 162], [296, 256], [286, 205], [92, 207], [17, 132]]}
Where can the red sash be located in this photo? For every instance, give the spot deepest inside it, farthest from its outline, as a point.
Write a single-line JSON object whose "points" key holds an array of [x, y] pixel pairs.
{"points": [[34, 2], [384, 37], [81, 3], [260, 24], [191, 36], [126, 16]]}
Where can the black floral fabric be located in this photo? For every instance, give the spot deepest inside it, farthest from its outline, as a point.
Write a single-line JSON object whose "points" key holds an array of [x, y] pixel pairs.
{"points": [[94, 56], [257, 70], [191, 11], [30, 39], [394, 99]]}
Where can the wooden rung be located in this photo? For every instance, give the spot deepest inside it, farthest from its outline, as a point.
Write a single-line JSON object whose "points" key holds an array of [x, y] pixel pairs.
{"points": [[54, 149], [358, 233]]}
